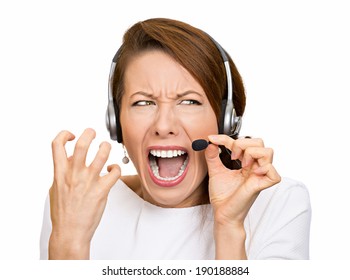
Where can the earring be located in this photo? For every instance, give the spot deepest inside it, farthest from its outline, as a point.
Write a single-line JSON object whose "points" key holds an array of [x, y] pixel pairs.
{"points": [[125, 159]]}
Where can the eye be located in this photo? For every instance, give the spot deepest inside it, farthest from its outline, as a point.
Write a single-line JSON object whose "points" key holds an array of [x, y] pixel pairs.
{"points": [[190, 102], [143, 103]]}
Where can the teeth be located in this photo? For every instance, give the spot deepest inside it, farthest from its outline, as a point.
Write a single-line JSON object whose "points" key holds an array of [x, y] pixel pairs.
{"points": [[155, 170], [167, 154]]}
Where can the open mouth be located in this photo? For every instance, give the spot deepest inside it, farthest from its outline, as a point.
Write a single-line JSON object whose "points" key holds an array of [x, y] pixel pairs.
{"points": [[167, 166]]}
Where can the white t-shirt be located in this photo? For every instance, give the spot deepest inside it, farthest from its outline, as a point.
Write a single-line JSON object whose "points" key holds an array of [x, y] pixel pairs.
{"points": [[277, 227]]}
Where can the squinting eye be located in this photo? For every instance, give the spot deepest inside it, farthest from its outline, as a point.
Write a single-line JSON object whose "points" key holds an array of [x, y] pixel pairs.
{"points": [[190, 102], [143, 103]]}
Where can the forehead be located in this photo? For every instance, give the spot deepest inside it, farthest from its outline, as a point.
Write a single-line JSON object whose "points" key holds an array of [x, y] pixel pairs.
{"points": [[157, 72]]}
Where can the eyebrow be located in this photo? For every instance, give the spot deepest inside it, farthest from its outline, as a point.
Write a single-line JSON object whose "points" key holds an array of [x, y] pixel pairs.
{"points": [[150, 95], [188, 92], [178, 95]]}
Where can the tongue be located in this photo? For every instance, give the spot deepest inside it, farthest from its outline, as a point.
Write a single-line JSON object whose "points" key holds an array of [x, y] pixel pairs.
{"points": [[170, 167]]}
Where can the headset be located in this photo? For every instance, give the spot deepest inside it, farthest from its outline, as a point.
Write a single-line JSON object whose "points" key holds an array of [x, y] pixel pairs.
{"points": [[229, 124]]}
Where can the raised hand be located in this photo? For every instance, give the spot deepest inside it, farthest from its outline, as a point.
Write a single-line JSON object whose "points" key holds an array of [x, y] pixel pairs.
{"points": [[78, 195]]}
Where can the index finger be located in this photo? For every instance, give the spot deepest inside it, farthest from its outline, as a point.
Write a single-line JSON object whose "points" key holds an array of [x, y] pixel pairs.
{"points": [[59, 154], [236, 146]]}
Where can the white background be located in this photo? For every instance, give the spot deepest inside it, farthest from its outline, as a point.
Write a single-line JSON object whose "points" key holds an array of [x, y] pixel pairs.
{"points": [[293, 56]]}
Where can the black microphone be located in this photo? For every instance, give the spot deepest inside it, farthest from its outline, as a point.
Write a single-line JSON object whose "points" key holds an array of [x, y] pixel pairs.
{"points": [[200, 144]]}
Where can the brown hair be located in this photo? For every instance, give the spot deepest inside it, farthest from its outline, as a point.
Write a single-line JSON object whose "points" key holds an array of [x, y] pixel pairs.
{"points": [[194, 50], [189, 46]]}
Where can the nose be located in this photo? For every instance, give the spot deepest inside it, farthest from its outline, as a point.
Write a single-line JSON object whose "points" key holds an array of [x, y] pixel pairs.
{"points": [[165, 123]]}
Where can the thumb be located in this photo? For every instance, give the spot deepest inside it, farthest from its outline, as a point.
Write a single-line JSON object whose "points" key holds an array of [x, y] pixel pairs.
{"points": [[214, 163]]}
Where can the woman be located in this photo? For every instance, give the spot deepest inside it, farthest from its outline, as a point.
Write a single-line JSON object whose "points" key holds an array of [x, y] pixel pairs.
{"points": [[170, 84]]}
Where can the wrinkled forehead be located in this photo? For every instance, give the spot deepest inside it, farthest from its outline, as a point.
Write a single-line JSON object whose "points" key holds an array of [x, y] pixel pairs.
{"points": [[157, 73]]}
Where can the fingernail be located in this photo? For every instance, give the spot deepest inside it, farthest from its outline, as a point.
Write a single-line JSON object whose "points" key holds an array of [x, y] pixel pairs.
{"points": [[213, 138]]}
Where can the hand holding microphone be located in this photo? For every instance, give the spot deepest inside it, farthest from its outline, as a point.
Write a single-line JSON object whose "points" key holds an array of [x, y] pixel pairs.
{"points": [[232, 192]]}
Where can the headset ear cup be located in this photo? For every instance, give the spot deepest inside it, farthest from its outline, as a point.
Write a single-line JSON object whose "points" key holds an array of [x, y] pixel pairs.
{"points": [[237, 124], [222, 116], [118, 126], [111, 120], [230, 123]]}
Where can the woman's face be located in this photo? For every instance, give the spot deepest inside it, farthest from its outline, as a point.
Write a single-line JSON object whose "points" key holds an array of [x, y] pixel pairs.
{"points": [[163, 110]]}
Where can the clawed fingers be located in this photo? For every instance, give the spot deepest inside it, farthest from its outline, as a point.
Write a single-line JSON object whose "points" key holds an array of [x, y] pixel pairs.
{"points": [[59, 154], [100, 158], [112, 176], [81, 148], [75, 165]]}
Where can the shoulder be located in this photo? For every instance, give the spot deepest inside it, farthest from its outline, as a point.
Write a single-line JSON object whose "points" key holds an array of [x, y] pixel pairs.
{"points": [[287, 198], [287, 187], [294, 191], [289, 183], [278, 223]]}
